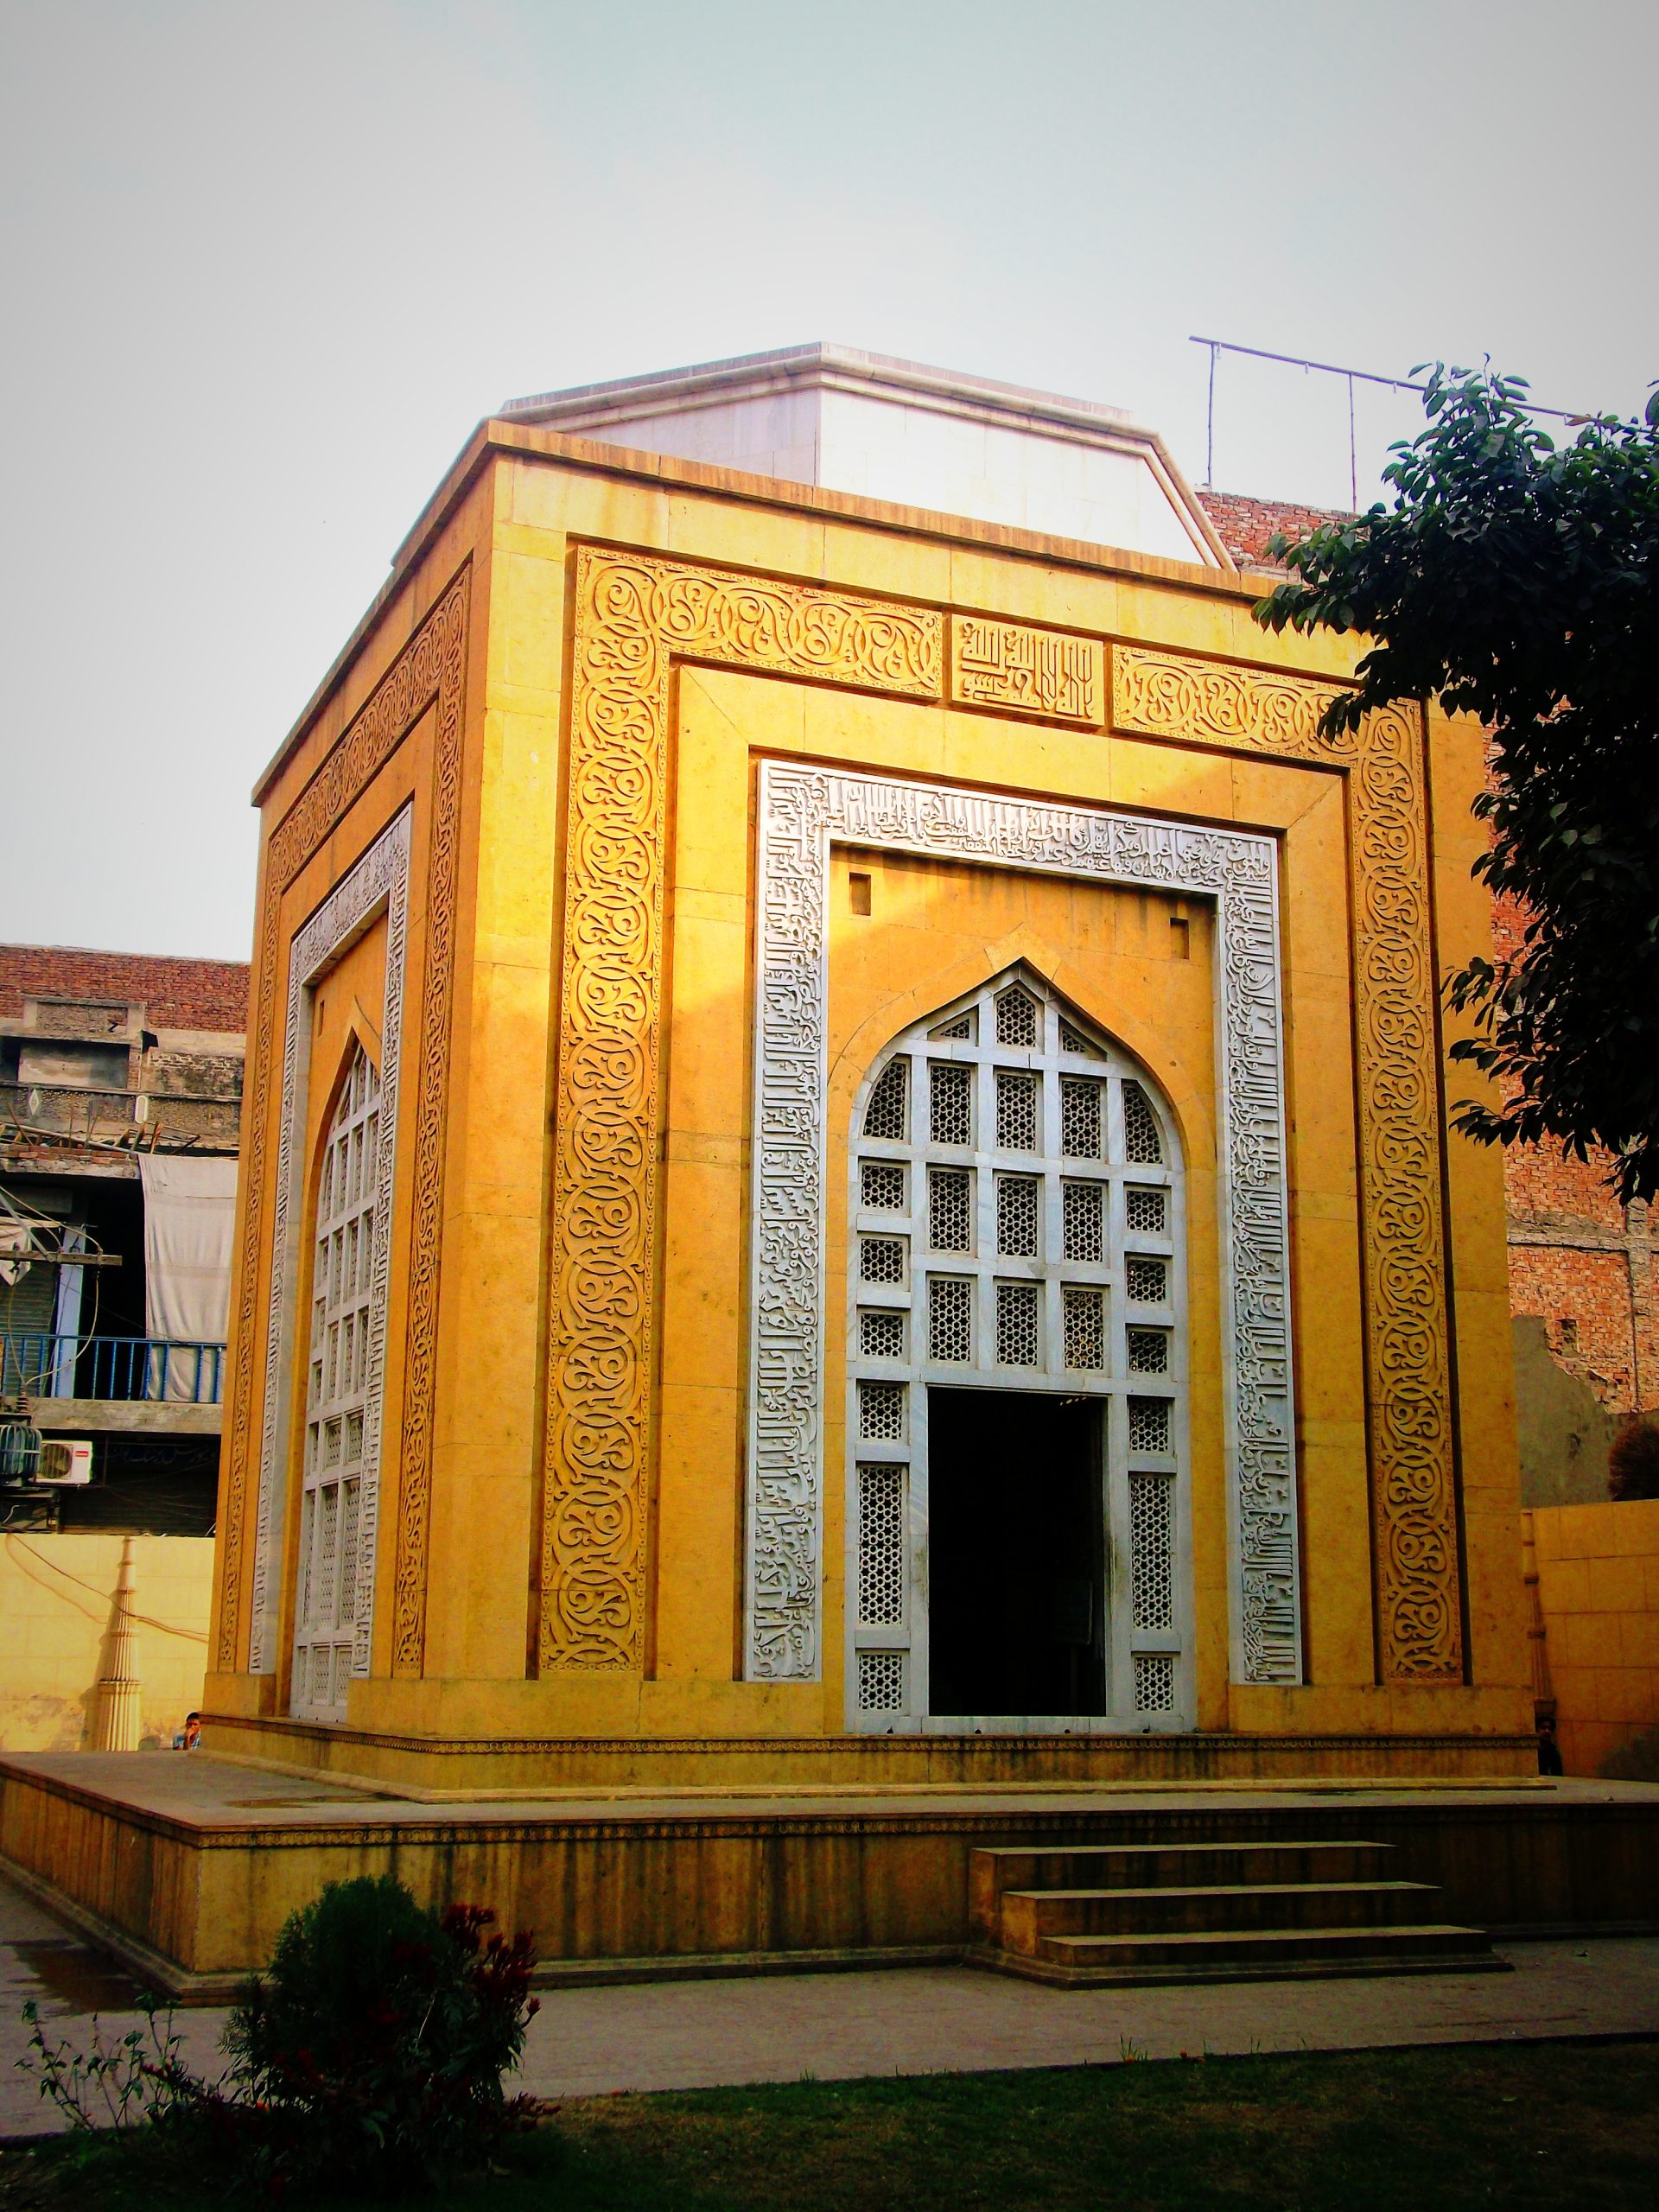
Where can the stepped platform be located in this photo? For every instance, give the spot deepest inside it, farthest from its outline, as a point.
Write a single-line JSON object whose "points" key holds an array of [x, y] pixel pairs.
{"points": [[185, 1866], [1245, 1910]]}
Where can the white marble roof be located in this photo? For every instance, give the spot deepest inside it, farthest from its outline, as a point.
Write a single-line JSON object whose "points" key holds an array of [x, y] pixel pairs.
{"points": [[903, 433]]}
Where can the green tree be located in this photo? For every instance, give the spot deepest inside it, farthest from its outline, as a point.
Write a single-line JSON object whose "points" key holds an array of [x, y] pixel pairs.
{"points": [[1520, 581]]}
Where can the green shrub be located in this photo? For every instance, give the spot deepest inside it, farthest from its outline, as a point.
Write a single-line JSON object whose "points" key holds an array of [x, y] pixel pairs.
{"points": [[371, 2054], [373, 2051]]}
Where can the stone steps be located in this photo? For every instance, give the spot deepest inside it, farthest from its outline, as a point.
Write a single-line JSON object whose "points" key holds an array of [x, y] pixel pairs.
{"points": [[1030, 1917], [1208, 1912], [994, 1872]]}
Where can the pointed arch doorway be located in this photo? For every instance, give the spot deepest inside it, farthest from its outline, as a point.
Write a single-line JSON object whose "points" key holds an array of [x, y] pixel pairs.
{"points": [[1018, 1526]]}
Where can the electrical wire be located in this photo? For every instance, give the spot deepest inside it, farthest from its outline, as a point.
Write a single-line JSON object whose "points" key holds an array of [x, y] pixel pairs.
{"points": [[105, 1597]]}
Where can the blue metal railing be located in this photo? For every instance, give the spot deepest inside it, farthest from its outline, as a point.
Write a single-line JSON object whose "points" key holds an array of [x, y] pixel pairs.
{"points": [[155, 1369]]}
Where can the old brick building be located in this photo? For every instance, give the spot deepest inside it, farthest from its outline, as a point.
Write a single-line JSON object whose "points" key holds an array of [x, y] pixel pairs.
{"points": [[120, 1102], [1585, 1300]]}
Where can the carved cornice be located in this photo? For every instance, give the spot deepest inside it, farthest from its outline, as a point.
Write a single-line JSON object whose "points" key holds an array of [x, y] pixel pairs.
{"points": [[634, 617], [429, 672], [1413, 1475]]}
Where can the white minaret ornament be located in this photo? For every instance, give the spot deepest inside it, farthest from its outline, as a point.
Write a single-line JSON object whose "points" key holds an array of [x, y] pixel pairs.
{"points": [[119, 1692]]}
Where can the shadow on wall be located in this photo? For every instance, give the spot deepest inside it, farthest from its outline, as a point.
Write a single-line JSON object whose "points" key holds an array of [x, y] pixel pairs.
{"points": [[1564, 1431], [56, 1606], [1636, 1761]]}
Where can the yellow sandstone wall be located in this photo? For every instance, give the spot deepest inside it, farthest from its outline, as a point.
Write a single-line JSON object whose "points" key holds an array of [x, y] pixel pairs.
{"points": [[474, 1467], [56, 1597], [1598, 1592]]}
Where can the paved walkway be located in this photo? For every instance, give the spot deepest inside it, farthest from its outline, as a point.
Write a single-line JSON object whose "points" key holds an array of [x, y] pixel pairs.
{"points": [[779, 2028]]}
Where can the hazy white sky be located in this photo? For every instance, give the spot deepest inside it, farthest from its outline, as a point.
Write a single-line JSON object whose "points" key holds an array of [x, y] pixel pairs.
{"points": [[265, 266]]}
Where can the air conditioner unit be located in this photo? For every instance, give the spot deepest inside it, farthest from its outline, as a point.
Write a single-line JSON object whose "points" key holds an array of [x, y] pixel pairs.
{"points": [[64, 1460]]}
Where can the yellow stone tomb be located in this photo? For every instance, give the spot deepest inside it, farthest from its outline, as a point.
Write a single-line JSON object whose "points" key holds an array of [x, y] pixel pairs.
{"points": [[846, 1166]]}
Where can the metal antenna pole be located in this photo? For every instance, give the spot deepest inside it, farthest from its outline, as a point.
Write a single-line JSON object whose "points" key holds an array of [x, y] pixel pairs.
{"points": [[1219, 345], [1366, 375]]}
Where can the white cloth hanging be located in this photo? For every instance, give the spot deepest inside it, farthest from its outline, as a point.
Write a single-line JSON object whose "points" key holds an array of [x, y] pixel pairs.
{"points": [[189, 1210]]}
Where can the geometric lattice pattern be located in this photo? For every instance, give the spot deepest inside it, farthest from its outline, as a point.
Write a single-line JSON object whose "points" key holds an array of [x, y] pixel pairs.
{"points": [[1148, 1351], [883, 1185], [881, 1259], [1016, 1018], [1031, 1205], [1085, 1327], [1083, 1222], [1149, 1425], [1151, 1551], [1016, 1215], [950, 1209], [885, 1115], [881, 1682], [1016, 1113], [882, 1413], [882, 1336], [1144, 1212], [1017, 1324], [1081, 1131], [1142, 1145], [950, 1103], [881, 1557], [949, 1318], [1155, 1682], [330, 1572]]}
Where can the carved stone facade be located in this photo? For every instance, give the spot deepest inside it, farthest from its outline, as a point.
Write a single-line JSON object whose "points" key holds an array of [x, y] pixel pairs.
{"points": [[1024, 671], [752, 782], [1414, 1486], [634, 618], [430, 673], [801, 810], [378, 885]]}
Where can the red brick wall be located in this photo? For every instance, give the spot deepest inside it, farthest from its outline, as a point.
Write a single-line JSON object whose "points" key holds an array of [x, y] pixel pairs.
{"points": [[1585, 1268], [176, 994], [1244, 524]]}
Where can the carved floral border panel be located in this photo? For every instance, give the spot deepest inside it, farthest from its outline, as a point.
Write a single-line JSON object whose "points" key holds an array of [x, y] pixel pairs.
{"points": [[430, 672], [801, 810], [1414, 1477], [635, 616], [377, 884]]}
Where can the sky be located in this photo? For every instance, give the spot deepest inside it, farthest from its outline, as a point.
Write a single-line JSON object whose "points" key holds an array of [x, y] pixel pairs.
{"points": [[263, 268]]}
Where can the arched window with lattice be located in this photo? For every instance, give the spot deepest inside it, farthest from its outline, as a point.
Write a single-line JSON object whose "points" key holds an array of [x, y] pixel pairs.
{"points": [[335, 1565], [1018, 1524]]}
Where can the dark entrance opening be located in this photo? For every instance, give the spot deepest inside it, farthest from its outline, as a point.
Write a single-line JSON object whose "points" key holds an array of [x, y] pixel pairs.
{"points": [[1016, 1553]]}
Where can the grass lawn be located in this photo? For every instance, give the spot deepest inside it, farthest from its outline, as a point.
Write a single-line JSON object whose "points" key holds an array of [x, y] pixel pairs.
{"points": [[1564, 2124]]}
